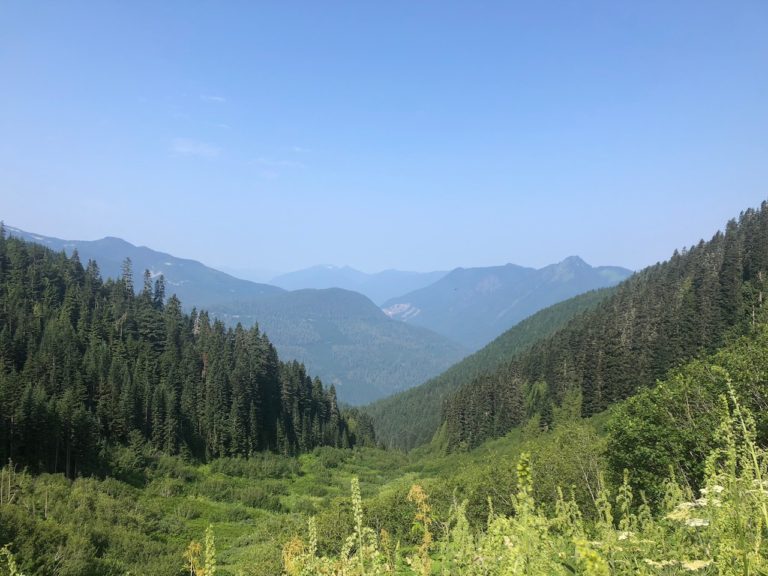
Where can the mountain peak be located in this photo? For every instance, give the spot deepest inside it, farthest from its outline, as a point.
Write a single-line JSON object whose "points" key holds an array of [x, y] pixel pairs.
{"points": [[575, 261], [114, 241]]}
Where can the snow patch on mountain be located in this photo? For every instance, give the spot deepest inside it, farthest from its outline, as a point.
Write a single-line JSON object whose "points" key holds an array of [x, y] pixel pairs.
{"points": [[402, 311]]}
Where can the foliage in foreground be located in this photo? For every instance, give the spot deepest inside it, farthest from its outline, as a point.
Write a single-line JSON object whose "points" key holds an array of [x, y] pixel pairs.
{"points": [[55, 526], [721, 532], [257, 504], [672, 425]]}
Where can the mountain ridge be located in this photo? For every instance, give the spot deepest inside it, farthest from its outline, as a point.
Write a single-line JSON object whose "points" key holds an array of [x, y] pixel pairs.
{"points": [[474, 305], [388, 355], [378, 286], [193, 282]]}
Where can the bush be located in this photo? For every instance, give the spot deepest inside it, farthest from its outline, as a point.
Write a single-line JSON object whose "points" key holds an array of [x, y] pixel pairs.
{"points": [[329, 457], [259, 466], [216, 488], [256, 496], [165, 487], [175, 467]]}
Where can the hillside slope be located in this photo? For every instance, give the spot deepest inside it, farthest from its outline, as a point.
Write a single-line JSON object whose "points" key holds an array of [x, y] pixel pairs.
{"points": [[660, 317], [87, 365], [409, 419]]}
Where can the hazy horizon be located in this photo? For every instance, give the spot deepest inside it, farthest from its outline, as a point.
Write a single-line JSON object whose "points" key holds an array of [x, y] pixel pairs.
{"points": [[261, 275], [418, 137]]}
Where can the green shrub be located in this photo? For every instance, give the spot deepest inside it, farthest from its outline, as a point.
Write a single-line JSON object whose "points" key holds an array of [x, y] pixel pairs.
{"points": [[259, 466], [216, 488], [255, 496]]}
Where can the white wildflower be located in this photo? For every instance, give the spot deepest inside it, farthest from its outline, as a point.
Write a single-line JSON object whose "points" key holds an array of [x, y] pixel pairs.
{"points": [[661, 564], [717, 489], [696, 522], [681, 511], [695, 564]]}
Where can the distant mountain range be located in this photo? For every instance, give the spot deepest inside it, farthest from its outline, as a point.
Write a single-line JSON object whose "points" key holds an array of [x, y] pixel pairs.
{"points": [[340, 335], [472, 306], [379, 287]]}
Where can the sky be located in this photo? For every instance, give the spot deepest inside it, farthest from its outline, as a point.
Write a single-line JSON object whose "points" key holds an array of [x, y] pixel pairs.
{"points": [[272, 136]]}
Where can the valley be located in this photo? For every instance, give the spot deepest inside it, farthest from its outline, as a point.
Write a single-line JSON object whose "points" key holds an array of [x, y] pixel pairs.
{"points": [[493, 441], [315, 317], [384, 288]]}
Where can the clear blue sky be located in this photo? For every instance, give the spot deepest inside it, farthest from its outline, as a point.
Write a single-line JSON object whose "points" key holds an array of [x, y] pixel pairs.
{"points": [[413, 135]]}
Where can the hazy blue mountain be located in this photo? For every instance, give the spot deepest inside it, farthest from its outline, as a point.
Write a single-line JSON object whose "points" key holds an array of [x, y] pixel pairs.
{"points": [[474, 305], [340, 335], [252, 273], [194, 283], [323, 276], [379, 287], [347, 340]]}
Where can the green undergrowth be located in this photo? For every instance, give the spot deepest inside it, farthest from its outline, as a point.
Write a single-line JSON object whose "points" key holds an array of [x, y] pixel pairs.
{"points": [[142, 523]]}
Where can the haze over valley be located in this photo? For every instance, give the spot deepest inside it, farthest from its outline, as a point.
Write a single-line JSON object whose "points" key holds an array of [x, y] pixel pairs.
{"points": [[341, 335]]}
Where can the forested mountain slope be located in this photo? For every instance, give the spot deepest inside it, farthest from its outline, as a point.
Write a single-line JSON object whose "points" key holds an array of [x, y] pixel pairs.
{"points": [[86, 363], [475, 305], [658, 318], [411, 418]]}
